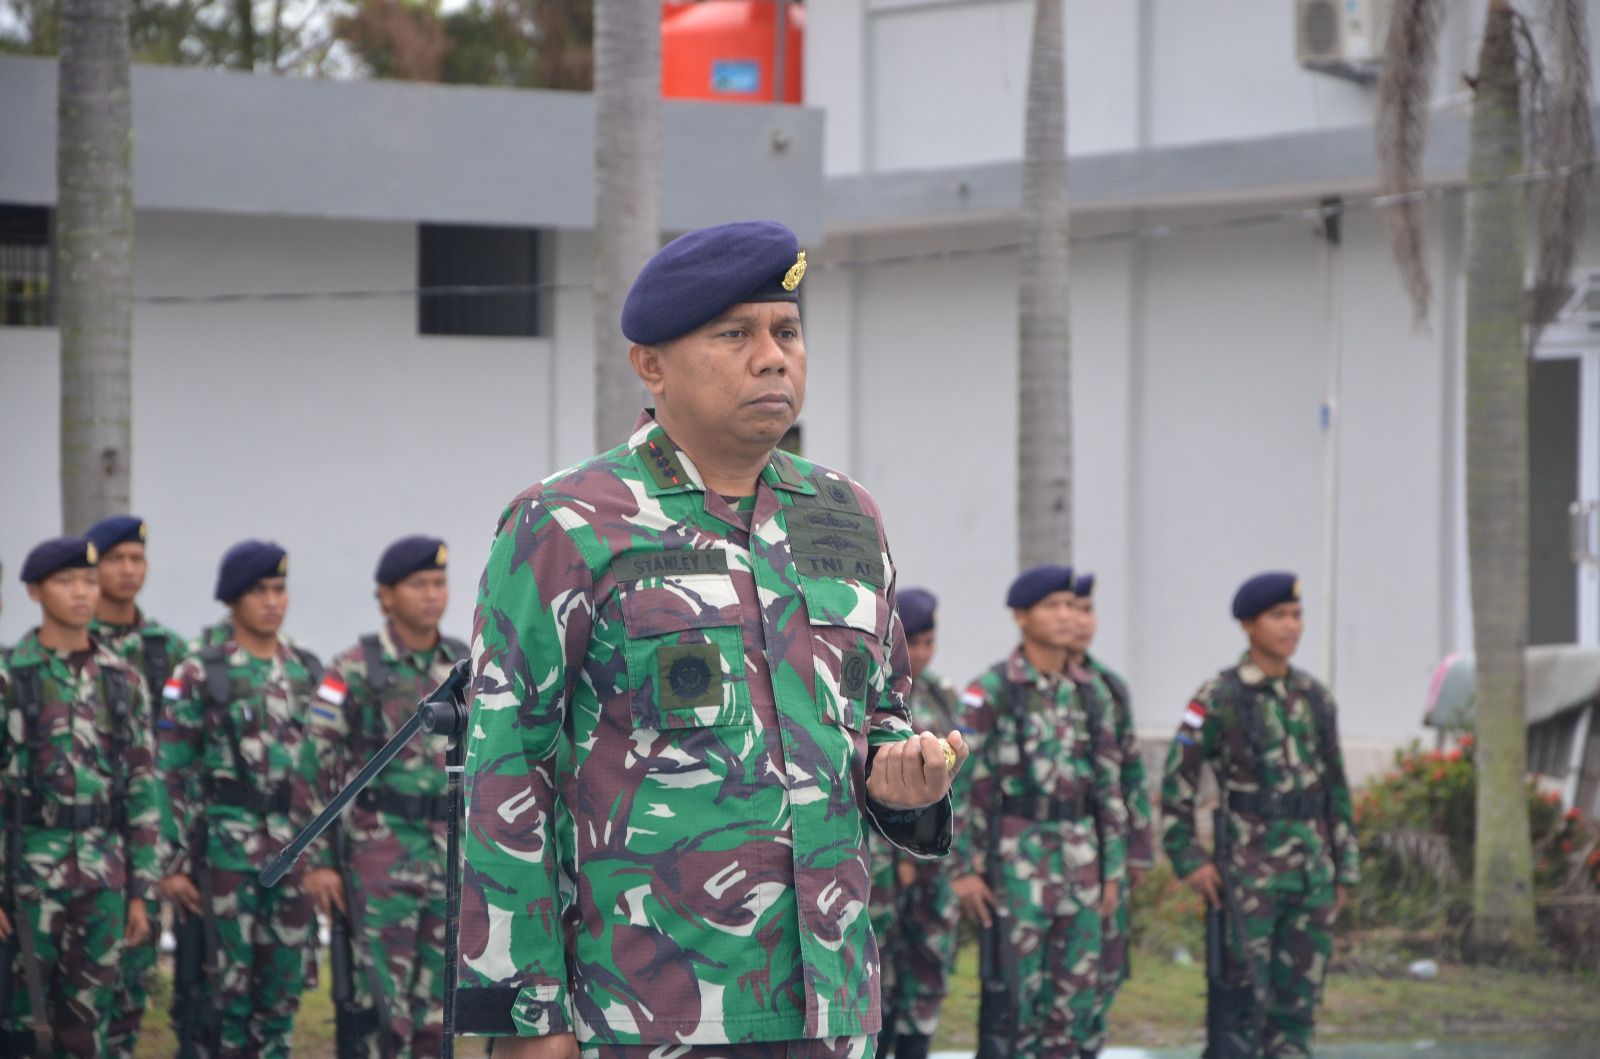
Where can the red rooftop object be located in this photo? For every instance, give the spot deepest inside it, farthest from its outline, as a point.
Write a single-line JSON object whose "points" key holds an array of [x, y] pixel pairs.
{"points": [[728, 50]]}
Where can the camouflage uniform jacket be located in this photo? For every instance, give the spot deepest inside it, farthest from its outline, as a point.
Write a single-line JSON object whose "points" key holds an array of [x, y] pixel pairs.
{"points": [[1135, 784], [672, 723], [1267, 853], [69, 760], [150, 647], [351, 720], [263, 722], [1055, 746]]}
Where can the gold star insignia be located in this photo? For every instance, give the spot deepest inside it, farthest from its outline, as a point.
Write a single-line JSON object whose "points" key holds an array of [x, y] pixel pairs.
{"points": [[796, 273], [444, 553], [92, 553]]}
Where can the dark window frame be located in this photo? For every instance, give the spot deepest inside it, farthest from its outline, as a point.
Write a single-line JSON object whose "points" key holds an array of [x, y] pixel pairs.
{"points": [[474, 255], [27, 266]]}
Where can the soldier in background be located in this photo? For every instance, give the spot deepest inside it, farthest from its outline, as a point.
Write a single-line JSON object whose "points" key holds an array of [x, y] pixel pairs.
{"points": [[1114, 942], [154, 650], [1270, 734], [238, 763], [395, 834], [916, 915], [1040, 831], [82, 811]]}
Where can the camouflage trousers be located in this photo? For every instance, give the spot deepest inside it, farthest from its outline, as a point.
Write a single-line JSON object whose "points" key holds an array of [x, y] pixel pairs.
{"points": [[78, 934], [819, 1048], [1057, 970], [133, 989], [1115, 936], [918, 952], [1289, 936], [267, 958], [400, 887]]}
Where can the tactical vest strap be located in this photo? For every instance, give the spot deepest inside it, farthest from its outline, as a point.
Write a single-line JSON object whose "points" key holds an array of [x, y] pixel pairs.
{"points": [[119, 701], [455, 649], [218, 699], [157, 663], [313, 666], [28, 692]]}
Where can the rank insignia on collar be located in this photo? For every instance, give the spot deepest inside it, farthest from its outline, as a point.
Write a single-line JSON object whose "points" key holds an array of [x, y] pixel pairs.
{"points": [[796, 273]]}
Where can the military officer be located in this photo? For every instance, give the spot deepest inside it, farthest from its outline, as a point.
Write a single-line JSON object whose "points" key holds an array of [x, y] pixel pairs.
{"points": [[690, 686], [395, 834], [239, 769], [1113, 691], [1270, 733], [154, 650], [916, 906], [1042, 823], [82, 810]]}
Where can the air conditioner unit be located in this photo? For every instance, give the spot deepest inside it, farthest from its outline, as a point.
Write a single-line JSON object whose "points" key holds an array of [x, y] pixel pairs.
{"points": [[1341, 37]]}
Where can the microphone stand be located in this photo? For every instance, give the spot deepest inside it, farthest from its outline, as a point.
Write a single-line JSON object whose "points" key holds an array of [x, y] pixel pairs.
{"points": [[442, 712]]}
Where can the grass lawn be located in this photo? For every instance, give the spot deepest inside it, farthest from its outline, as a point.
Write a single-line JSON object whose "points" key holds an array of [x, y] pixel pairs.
{"points": [[1163, 1005]]}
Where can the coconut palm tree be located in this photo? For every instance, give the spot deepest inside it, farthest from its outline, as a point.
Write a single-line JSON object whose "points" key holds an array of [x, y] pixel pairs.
{"points": [[94, 247], [1514, 104], [627, 137], [1044, 347]]}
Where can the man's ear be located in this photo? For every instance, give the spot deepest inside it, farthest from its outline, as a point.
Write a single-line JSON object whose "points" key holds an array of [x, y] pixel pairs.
{"points": [[647, 364], [33, 591]]}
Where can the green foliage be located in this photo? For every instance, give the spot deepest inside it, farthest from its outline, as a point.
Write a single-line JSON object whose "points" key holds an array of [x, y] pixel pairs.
{"points": [[1416, 828], [1167, 916]]}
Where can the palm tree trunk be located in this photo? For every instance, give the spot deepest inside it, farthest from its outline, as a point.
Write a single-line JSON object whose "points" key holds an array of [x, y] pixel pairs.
{"points": [[1044, 369], [94, 240], [627, 113], [1497, 496]]}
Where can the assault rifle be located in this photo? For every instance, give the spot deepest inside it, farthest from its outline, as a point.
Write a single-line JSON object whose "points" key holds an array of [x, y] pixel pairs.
{"points": [[197, 984]]}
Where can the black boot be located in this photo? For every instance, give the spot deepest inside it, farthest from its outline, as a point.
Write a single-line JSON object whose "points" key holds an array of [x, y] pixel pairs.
{"points": [[912, 1046], [886, 1039], [1088, 1053]]}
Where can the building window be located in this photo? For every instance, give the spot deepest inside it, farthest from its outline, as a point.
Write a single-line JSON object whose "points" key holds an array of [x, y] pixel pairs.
{"points": [[27, 267], [451, 258]]}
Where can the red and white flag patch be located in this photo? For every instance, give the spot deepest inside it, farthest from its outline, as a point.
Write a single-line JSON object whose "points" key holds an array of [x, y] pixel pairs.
{"points": [[172, 689], [973, 696], [1195, 715], [333, 690]]}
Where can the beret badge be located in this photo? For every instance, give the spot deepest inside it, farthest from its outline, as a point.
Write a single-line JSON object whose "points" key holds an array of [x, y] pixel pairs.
{"points": [[796, 273], [91, 553]]}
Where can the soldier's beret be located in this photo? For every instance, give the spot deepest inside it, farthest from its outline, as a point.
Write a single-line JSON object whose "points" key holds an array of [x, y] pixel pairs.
{"points": [[1035, 583], [917, 608], [246, 563], [701, 274], [408, 555], [56, 554], [118, 529], [1083, 585], [1263, 592]]}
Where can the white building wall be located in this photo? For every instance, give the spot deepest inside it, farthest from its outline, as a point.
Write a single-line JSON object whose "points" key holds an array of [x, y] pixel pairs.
{"points": [[910, 84], [329, 426], [1197, 399]]}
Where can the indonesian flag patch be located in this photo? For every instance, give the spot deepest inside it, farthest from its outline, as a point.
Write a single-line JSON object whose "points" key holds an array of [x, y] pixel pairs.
{"points": [[172, 690], [1195, 715], [973, 696], [332, 689]]}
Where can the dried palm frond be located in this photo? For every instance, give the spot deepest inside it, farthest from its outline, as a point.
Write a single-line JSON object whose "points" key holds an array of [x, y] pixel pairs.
{"points": [[1563, 142], [1403, 91], [1420, 852]]}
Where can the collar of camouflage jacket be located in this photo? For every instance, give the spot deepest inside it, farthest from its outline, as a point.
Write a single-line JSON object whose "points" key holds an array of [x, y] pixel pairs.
{"points": [[29, 651], [666, 468], [1021, 671]]}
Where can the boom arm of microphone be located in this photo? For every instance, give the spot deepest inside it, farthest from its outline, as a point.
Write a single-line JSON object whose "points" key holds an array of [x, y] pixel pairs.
{"points": [[442, 712]]}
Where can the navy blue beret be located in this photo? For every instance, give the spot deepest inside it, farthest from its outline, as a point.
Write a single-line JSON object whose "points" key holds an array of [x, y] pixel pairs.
{"points": [[246, 563], [118, 529], [701, 274], [917, 607], [408, 555], [1263, 592], [58, 553], [1034, 584], [1083, 585]]}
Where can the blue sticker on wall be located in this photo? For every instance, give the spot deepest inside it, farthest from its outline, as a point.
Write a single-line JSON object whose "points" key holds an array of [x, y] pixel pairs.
{"points": [[735, 75]]}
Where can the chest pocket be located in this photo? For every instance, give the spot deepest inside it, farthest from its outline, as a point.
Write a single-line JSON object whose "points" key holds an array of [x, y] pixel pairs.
{"points": [[685, 641], [846, 650]]}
